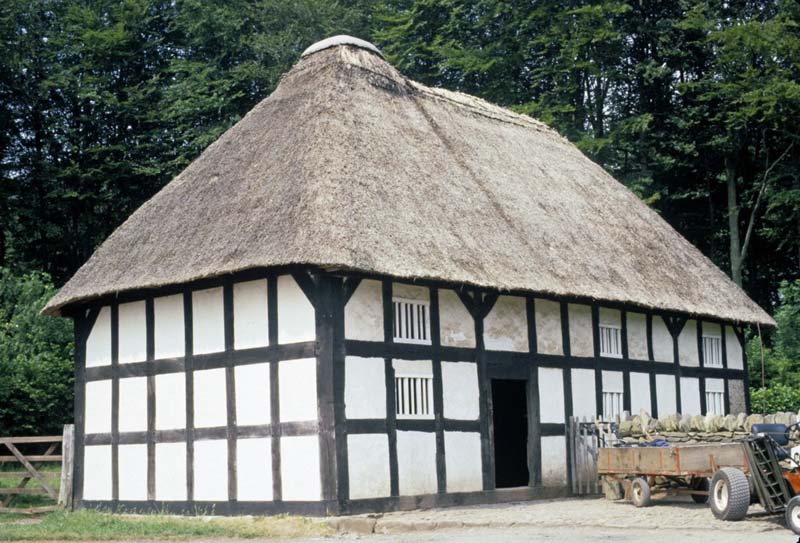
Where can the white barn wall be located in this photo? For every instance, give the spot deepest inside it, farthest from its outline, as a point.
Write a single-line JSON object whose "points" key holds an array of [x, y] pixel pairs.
{"points": [[554, 461], [456, 325], [687, 344], [300, 473], [416, 462], [252, 394], [640, 392], [637, 335], [581, 337], [98, 344], [98, 486], [463, 461], [254, 458], [170, 341], [505, 328], [733, 349], [133, 404], [363, 314], [690, 396], [132, 332], [551, 395], [298, 386], [584, 403], [133, 472], [296, 320], [170, 395], [364, 388], [665, 394], [170, 476], [211, 470], [97, 414], [210, 398], [460, 392], [208, 321], [250, 316], [368, 465], [662, 341], [548, 327]]}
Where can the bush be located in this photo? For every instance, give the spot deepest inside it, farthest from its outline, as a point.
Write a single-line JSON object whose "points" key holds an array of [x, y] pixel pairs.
{"points": [[777, 397], [36, 353]]}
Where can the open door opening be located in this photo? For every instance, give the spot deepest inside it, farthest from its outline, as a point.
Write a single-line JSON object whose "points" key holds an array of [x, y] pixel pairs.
{"points": [[510, 418]]}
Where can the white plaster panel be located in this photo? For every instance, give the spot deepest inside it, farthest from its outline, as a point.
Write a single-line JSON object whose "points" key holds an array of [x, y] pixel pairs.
{"points": [[548, 327], [364, 388], [98, 344], [98, 407], [363, 314], [581, 337], [171, 471], [132, 332], [97, 480], [300, 474], [416, 463], [662, 342], [416, 367], [133, 472], [640, 392], [733, 349], [584, 403], [715, 385], [637, 336], [169, 333], [711, 329], [208, 321], [368, 465], [457, 328], [211, 470], [295, 313], [210, 398], [170, 401], [411, 292], [254, 465], [505, 328], [687, 344], [690, 396], [250, 326], [612, 381], [554, 461], [133, 404], [462, 455], [460, 393], [252, 394], [610, 317], [665, 395], [298, 386], [551, 395]]}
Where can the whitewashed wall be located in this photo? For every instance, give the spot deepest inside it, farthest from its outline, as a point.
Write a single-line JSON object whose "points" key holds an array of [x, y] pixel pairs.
{"points": [[463, 461], [368, 465], [169, 335], [551, 395], [250, 314], [460, 394], [457, 327], [364, 388], [254, 458], [416, 462], [300, 470], [132, 332], [170, 473], [733, 349], [252, 394], [363, 314], [665, 394], [687, 344], [640, 392], [211, 470], [210, 399], [505, 328], [584, 403], [98, 344], [298, 389], [133, 472], [581, 337], [690, 396], [662, 341], [554, 461], [296, 320], [637, 335], [548, 327], [208, 321]]}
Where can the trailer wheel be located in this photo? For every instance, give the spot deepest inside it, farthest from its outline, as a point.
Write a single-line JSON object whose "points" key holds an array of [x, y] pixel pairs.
{"points": [[640, 492], [793, 515], [730, 494], [700, 483]]}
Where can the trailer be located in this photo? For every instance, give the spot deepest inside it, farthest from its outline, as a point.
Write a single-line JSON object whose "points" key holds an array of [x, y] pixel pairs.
{"points": [[648, 473]]}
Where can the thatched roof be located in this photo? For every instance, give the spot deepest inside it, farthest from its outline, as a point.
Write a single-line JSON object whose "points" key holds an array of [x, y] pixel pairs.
{"points": [[349, 165]]}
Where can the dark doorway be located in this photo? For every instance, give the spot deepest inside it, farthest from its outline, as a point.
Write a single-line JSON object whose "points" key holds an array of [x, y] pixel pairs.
{"points": [[510, 408]]}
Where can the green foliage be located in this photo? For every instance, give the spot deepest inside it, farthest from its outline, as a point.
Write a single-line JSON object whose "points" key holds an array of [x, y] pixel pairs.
{"points": [[776, 398], [35, 358]]}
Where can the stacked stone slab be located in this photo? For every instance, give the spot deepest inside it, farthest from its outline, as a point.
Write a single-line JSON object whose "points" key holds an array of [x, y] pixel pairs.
{"points": [[676, 428]]}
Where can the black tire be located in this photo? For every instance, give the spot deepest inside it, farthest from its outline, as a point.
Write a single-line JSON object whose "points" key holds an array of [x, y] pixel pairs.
{"points": [[640, 492], [792, 515], [700, 483], [729, 494]]}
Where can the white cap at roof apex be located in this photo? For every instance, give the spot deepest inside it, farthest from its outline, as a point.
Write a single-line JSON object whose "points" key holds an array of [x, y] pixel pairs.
{"points": [[341, 39]]}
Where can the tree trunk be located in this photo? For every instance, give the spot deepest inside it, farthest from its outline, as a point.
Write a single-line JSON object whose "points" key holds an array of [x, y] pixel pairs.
{"points": [[733, 222]]}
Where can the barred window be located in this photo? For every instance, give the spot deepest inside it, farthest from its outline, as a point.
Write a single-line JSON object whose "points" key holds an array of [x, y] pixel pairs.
{"points": [[715, 402], [411, 321], [413, 396], [610, 341], [712, 351]]}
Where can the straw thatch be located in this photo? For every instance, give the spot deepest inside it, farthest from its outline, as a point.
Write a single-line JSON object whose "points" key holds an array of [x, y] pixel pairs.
{"points": [[349, 165]]}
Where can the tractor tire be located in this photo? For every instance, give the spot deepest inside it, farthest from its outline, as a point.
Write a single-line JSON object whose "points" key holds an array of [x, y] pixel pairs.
{"points": [[729, 494], [640, 492], [792, 515], [700, 483]]}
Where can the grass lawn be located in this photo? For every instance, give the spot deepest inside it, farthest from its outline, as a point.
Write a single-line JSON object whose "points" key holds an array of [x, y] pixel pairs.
{"points": [[94, 525], [52, 474]]}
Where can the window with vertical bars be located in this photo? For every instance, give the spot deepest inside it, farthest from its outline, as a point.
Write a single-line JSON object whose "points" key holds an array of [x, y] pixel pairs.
{"points": [[712, 351], [610, 341], [715, 402], [411, 321], [413, 396], [612, 405]]}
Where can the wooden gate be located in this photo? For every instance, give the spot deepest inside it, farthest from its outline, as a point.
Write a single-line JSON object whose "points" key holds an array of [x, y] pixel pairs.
{"points": [[584, 437], [51, 449]]}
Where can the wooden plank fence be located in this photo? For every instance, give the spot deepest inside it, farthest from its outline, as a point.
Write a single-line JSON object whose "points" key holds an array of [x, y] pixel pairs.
{"points": [[32, 464], [585, 437]]}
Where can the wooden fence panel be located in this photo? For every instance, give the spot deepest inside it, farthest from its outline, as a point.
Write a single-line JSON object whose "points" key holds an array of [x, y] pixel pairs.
{"points": [[32, 464]]}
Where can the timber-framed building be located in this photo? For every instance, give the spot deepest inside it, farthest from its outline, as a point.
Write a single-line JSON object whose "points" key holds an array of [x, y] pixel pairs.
{"points": [[370, 295]]}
